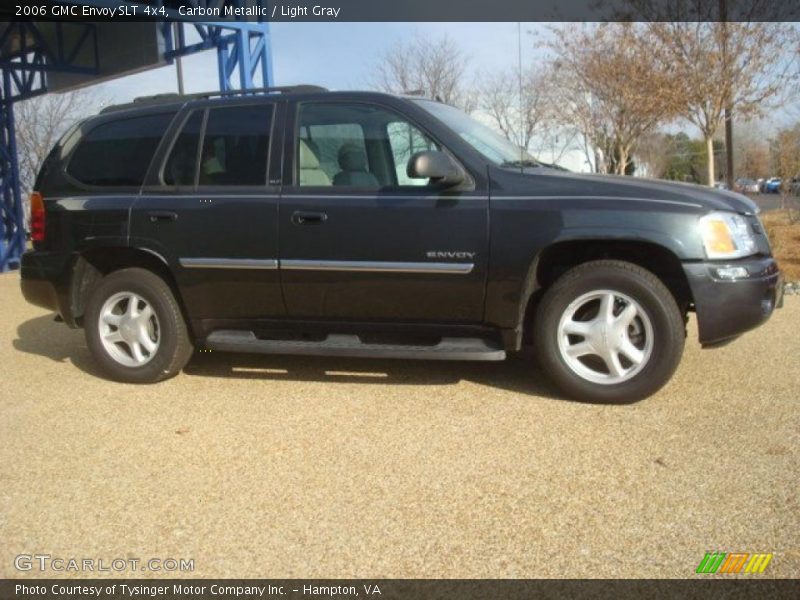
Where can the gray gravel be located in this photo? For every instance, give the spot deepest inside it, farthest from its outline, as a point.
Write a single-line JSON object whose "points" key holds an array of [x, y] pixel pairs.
{"points": [[300, 467]]}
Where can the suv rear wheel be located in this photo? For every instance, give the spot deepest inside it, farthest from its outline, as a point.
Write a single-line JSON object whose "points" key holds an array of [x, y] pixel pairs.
{"points": [[609, 331], [135, 329]]}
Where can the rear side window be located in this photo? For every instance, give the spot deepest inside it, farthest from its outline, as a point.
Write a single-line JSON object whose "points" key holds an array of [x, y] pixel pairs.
{"points": [[232, 145], [118, 153]]}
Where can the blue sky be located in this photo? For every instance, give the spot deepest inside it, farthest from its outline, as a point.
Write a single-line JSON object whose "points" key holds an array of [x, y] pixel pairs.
{"points": [[336, 55], [345, 55]]}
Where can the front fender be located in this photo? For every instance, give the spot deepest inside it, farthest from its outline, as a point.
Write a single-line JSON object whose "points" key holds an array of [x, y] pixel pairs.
{"points": [[514, 271]]}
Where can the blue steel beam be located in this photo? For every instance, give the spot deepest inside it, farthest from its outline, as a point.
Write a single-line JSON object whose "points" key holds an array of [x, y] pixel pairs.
{"points": [[12, 220], [243, 50], [28, 57]]}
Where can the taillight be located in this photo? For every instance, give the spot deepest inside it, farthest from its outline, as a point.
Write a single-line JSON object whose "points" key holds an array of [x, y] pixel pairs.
{"points": [[37, 217]]}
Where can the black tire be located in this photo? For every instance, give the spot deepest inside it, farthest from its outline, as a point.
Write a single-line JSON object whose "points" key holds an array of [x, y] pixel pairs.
{"points": [[668, 329], [174, 345]]}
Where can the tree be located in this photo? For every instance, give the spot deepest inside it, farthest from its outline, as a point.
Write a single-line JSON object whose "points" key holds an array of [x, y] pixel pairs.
{"points": [[653, 153], [751, 151], [785, 150], [610, 83], [40, 122], [519, 114], [742, 67], [686, 158], [435, 69]]}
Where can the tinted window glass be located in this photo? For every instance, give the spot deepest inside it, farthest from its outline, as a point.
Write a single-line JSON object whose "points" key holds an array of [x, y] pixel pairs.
{"points": [[356, 145], [235, 146], [181, 167], [118, 153], [326, 140], [406, 140]]}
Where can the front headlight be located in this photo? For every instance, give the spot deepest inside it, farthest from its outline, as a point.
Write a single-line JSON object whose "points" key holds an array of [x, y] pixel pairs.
{"points": [[726, 235]]}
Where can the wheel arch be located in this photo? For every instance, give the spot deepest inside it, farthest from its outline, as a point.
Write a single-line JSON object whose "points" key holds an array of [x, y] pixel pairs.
{"points": [[94, 263], [559, 257]]}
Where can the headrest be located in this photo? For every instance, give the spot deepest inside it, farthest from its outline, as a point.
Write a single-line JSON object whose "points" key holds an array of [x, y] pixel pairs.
{"points": [[308, 160], [352, 157]]}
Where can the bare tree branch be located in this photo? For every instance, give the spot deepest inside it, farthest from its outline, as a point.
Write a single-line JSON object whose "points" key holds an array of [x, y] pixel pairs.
{"points": [[612, 87], [436, 69], [746, 67], [519, 119], [40, 122]]}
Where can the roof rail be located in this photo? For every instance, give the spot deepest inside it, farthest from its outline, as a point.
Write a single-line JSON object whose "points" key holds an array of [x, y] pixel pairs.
{"points": [[173, 98]]}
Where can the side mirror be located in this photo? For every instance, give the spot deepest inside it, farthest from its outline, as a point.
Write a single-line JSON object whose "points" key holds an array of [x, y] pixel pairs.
{"points": [[436, 166]]}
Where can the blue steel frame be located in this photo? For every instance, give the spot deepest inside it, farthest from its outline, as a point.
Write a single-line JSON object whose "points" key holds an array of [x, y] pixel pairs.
{"points": [[12, 219], [243, 49], [243, 57], [23, 76]]}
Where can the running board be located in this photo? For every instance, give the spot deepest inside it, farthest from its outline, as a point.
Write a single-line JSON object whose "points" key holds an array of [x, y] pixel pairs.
{"points": [[449, 348]]}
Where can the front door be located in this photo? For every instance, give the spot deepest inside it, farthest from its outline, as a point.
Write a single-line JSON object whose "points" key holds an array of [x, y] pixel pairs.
{"points": [[360, 239], [208, 210]]}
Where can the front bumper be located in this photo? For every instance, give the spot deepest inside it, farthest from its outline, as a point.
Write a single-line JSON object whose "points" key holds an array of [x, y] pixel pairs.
{"points": [[727, 308]]}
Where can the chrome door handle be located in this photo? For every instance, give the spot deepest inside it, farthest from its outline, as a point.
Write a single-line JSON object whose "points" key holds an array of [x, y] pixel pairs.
{"points": [[301, 217], [162, 215]]}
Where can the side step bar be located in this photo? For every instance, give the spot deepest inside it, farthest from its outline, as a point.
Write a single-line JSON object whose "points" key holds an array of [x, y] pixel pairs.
{"points": [[351, 346]]}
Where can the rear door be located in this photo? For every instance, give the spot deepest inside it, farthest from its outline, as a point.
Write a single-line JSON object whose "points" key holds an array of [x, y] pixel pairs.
{"points": [[360, 240], [208, 210]]}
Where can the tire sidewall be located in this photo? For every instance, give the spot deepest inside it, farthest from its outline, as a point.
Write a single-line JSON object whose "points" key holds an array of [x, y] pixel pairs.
{"points": [[157, 294], [657, 302]]}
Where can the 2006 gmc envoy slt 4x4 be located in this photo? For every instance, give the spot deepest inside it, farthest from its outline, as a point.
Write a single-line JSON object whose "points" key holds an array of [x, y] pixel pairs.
{"points": [[302, 221]]}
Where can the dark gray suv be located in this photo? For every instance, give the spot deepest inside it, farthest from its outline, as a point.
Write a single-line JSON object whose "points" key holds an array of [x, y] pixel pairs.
{"points": [[301, 221]]}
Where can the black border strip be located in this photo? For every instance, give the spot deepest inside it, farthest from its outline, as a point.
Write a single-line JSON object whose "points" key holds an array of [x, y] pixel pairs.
{"points": [[412, 10], [713, 586]]}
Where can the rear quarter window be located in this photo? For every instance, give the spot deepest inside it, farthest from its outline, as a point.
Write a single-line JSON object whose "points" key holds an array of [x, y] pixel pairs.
{"points": [[118, 153]]}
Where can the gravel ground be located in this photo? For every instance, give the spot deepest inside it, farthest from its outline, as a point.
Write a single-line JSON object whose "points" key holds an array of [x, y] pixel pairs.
{"points": [[300, 467]]}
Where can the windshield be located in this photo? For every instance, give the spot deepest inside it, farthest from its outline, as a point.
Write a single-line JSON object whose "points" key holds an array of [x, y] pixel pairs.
{"points": [[492, 145]]}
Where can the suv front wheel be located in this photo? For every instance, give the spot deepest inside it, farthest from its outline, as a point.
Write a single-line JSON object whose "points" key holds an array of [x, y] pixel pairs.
{"points": [[609, 331], [134, 327]]}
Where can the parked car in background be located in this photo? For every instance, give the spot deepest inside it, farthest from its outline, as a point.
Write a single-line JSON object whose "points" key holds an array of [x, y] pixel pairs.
{"points": [[720, 185], [746, 186], [773, 185]]}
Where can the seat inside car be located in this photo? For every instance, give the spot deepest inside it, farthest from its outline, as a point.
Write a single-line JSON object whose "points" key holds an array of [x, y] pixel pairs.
{"points": [[310, 171], [353, 165]]}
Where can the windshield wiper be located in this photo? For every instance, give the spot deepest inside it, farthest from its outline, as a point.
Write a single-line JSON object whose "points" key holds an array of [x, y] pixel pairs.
{"points": [[520, 164]]}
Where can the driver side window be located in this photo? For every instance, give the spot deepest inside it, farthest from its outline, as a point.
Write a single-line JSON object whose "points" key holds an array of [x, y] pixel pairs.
{"points": [[355, 146], [406, 140]]}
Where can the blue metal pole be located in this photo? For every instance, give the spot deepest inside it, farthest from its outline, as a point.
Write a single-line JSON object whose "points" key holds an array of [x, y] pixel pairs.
{"points": [[18, 245], [222, 66], [266, 58], [12, 228], [245, 56]]}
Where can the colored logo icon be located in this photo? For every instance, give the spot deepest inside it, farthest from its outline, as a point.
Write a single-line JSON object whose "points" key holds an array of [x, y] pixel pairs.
{"points": [[733, 562]]}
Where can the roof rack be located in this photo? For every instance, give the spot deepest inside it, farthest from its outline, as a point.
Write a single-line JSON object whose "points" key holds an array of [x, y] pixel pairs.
{"points": [[173, 98]]}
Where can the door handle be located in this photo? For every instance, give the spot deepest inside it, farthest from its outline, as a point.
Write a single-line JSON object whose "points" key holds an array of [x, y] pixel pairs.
{"points": [[302, 217], [162, 215]]}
